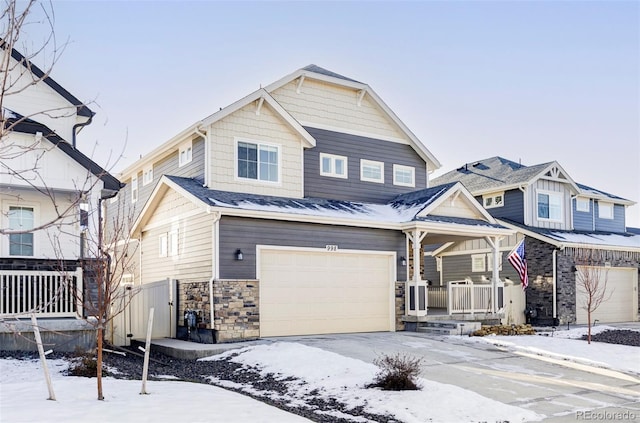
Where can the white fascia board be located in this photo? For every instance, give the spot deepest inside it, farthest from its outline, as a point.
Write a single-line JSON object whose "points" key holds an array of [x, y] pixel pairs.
{"points": [[445, 228], [417, 144], [600, 197], [569, 180], [458, 189], [261, 93], [159, 152], [160, 189]]}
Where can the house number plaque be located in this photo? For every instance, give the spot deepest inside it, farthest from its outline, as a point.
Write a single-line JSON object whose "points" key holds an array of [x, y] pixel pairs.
{"points": [[331, 247]]}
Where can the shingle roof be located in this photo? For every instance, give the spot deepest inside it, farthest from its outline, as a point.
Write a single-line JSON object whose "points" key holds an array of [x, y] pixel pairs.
{"points": [[401, 209], [29, 126], [494, 172], [587, 190], [322, 71]]}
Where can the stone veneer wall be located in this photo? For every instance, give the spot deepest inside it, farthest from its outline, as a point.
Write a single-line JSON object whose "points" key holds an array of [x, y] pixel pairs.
{"points": [[540, 269], [399, 302], [194, 295], [236, 310]]}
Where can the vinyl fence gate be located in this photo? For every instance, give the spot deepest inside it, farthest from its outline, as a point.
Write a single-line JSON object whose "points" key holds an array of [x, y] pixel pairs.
{"points": [[132, 322]]}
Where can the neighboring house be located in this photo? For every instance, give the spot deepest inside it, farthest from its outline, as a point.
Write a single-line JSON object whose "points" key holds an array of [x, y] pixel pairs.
{"points": [[299, 209], [560, 221], [48, 192]]}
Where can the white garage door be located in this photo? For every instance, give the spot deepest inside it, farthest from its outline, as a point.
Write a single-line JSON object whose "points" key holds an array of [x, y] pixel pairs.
{"points": [[621, 306], [311, 291]]}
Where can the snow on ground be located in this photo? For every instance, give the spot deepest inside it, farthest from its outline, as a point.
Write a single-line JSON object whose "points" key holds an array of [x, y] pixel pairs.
{"points": [[567, 345], [344, 379], [23, 398]]}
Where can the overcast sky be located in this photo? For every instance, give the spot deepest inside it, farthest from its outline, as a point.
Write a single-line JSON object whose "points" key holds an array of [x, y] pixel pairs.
{"points": [[529, 81]]}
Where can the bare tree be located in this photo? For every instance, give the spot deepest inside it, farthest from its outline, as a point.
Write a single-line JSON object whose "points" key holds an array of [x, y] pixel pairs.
{"points": [[591, 282]]}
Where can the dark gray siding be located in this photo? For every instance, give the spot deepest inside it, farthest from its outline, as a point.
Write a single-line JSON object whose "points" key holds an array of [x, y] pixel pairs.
{"points": [[513, 208], [582, 221], [430, 272], [244, 234], [355, 148], [617, 224], [457, 268]]}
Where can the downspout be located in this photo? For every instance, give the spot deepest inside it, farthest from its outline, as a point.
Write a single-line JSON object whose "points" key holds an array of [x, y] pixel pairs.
{"points": [[205, 139], [524, 206], [215, 269], [554, 282], [79, 125]]}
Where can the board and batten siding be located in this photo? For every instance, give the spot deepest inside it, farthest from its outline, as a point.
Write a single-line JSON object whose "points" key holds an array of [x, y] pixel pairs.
{"points": [[355, 148], [194, 228], [245, 234], [546, 185], [321, 104], [266, 127]]}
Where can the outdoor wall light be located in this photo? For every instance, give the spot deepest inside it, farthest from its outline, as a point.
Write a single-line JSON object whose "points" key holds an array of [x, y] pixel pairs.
{"points": [[403, 261], [239, 255]]}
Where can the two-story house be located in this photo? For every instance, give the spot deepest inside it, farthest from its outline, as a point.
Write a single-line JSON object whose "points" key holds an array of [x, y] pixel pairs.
{"points": [[302, 208], [562, 222], [49, 191]]}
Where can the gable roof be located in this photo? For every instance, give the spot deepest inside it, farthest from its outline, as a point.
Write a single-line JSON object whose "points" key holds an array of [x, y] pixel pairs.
{"points": [[601, 195], [81, 108], [497, 173], [407, 210], [322, 74], [29, 126]]}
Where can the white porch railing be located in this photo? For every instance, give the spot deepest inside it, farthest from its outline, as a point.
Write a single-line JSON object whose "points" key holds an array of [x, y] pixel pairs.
{"points": [[437, 296], [467, 297], [45, 293]]}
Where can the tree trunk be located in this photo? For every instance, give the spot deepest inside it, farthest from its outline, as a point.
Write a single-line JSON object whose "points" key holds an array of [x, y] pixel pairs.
{"points": [[589, 325], [99, 362]]}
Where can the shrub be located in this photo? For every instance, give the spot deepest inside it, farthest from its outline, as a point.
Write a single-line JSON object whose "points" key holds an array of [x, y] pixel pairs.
{"points": [[397, 373], [83, 364]]}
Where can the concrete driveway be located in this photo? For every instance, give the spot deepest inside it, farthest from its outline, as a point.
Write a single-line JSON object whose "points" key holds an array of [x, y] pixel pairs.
{"points": [[558, 389]]}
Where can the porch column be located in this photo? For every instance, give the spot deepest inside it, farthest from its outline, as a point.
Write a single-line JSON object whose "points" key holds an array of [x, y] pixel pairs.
{"points": [[417, 288], [494, 243]]}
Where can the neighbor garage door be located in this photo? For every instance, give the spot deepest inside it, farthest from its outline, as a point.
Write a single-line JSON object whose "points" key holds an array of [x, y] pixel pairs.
{"points": [[621, 306], [313, 291]]}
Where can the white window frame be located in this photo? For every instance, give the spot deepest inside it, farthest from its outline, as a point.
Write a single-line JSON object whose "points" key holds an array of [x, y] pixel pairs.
{"points": [[332, 171], [134, 189], [401, 168], [172, 243], [34, 210], [493, 200], [583, 204], [163, 246], [258, 145], [490, 262], [127, 279], [554, 195], [478, 262], [371, 163], [147, 175], [185, 153], [607, 206]]}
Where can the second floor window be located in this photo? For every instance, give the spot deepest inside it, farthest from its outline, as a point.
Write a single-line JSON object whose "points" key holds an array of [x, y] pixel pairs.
{"points": [[331, 165], [605, 210], [21, 219], [147, 175], [185, 154], [258, 161], [550, 206], [494, 200], [134, 189], [404, 175], [372, 171]]}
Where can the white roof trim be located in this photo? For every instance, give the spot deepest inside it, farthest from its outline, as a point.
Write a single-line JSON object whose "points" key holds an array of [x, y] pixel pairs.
{"points": [[358, 86], [457, 190], [569, 180]]}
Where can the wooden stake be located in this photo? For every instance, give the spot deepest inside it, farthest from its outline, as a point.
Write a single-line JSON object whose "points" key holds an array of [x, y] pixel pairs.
{"points": [[43, 358], [147, 349]]}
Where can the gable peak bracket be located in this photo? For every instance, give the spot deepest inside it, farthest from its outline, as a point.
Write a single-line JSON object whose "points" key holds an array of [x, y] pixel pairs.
{"points": [[259, 105], [300, 82], [361, 94]]}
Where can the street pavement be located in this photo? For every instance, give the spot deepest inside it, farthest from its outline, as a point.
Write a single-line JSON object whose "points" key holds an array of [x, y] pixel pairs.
{"points": [[561, 390]]}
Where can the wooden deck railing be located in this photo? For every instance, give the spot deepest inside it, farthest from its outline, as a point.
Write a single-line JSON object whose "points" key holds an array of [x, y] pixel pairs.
{"points": [[45, 293]]}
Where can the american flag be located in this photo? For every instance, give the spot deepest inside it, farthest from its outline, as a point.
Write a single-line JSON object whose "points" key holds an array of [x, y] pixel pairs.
{"points": [[518, 260]]}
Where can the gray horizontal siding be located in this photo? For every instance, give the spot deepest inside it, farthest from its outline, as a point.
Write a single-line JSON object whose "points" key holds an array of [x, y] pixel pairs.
{"points": [[582, 221], [513, 208], [617, 224], [355, 148], [244, 234], [430, 272]]}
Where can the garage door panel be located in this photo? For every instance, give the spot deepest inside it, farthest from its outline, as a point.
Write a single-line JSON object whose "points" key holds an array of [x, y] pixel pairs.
{"points": [[314, 292], [621, 302]]}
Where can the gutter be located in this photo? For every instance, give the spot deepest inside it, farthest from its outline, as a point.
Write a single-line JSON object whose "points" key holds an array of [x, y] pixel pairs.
{"points": [[79, 125]]}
